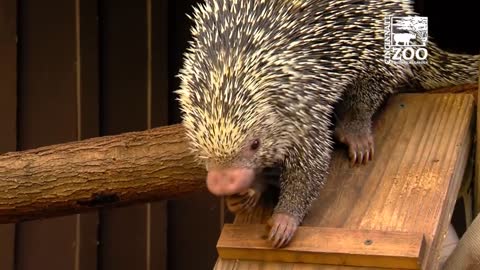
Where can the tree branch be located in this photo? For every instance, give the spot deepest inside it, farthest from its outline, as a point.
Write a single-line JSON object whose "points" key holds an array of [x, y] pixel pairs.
{"points": [[105, 171]]}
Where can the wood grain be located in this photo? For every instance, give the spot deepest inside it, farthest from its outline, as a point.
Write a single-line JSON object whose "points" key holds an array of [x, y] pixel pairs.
{"points": [[476, 180], [105, 171], [422, 144], [125, 86], [336, 246], [8, 111], [470, 89], [48, 113], [88, 122]]}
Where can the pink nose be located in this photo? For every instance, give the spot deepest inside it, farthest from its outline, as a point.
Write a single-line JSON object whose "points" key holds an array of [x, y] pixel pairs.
{"points": [[223, 182]]}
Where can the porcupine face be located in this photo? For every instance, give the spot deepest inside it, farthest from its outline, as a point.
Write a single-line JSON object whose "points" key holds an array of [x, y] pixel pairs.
{"points": [[232, 132]]}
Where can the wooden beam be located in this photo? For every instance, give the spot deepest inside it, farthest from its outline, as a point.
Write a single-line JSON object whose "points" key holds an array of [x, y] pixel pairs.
{"points": [[8, 111], [476, 179], [106, 171], [319, 245]]}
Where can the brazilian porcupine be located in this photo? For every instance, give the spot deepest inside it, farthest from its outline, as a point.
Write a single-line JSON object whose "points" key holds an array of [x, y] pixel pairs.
{"points": [[260, 81]]}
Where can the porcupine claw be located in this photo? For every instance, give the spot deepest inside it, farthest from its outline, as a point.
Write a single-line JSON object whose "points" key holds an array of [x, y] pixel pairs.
{"points": [[360, 145], [282, 228], [243, 202]]}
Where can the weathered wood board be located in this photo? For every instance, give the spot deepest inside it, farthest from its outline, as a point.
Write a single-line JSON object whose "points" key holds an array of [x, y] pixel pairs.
{"points": [[422, 145], [320, 245]]}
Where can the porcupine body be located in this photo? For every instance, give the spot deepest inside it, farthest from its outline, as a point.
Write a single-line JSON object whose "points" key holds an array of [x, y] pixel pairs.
{"points": [[273, 70]]}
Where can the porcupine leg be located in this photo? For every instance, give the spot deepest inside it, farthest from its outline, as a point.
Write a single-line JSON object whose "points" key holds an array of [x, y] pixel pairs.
{"points": [[354, 123], [303, 176]]}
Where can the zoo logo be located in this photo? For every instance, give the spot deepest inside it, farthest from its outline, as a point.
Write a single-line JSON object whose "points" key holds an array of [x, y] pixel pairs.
{"points": [[406, 39]]}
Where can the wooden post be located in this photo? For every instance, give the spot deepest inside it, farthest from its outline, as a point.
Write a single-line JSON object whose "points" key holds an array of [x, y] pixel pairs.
{"points": [[476, 183], [8, 111], [106, 171]]}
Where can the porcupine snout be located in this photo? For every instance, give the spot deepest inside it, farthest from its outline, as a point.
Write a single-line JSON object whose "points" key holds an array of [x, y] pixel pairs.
{"points": [[229, 181]]}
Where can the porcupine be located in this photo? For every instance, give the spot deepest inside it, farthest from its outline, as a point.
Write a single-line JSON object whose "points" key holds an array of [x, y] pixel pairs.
{"points": [[260, 82]]}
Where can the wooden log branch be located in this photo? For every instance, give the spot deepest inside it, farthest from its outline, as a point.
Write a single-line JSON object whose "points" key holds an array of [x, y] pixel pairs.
{"points": [[105, 171]]}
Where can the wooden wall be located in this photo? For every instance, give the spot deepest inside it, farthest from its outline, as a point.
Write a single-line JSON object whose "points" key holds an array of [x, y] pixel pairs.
{"points": [[74, 69], [8, 111], [86, 68]]}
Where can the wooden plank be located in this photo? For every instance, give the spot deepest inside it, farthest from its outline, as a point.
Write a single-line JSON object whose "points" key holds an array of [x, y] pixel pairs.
{"points": [[8, 111], [336, 246], [142, 228], [8, 75], [476, 180], [123, 68], [158, 116], [53, 36], [159, 66], [88, 69], [7, 246], [202, 208], [88, 124], [422, 145], [47, 115]]}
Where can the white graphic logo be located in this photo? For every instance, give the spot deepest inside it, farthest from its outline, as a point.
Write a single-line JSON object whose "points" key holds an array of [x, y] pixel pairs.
{"points": [[406, 39]]}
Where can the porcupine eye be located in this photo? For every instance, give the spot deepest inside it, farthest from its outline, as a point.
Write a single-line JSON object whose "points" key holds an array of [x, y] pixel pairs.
{"points": [[255, 144]]}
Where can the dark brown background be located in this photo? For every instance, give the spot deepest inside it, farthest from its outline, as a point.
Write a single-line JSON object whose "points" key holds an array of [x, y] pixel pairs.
{"points": [[85, 68]]}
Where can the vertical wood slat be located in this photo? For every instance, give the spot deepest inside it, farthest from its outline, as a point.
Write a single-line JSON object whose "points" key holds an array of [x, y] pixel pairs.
{"points": [[133, 237], [158, 40], [88, 91], [49, 113], [123, 242], [47, 116], [193, 220], [476, 179], [201, 209], [8, 111]]}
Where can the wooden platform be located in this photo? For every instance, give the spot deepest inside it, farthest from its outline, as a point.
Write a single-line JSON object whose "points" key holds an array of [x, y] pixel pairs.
{"points": [[423, 142]]}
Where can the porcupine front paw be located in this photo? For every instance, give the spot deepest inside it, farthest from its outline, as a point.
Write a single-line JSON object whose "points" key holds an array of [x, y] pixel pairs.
{"points": [[282, 228], [243, 202], [359, 140]]}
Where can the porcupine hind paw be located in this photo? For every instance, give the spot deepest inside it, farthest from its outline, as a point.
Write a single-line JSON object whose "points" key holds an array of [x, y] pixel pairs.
{"points": [[359, 140], [243, 202]]}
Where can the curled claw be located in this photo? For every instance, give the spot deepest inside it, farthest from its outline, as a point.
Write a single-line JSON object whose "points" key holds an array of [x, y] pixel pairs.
{"points": [[244, 201], [234, 203], [361, 153], [283, 228], [360, 145], [352, 154], [252, 201]]}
